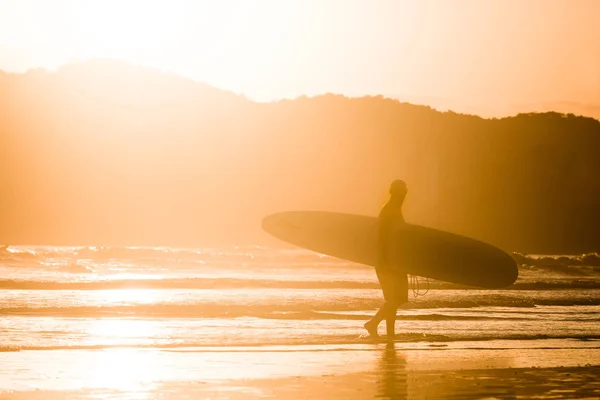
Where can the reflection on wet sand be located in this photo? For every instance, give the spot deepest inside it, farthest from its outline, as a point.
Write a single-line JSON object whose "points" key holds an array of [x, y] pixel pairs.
{"points": [[394, 373], [392, 384]]}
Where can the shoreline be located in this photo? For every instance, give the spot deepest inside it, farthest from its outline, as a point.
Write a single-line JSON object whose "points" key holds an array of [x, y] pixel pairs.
{"points": [[398, 370]]}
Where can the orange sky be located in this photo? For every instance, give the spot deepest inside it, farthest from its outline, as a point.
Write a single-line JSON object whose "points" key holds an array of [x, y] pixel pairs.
{"points": [[473, 55]]}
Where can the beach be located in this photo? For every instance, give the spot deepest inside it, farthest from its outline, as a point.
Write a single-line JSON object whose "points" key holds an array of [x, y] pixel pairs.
{"points": [[541, 369], [236, 323]]}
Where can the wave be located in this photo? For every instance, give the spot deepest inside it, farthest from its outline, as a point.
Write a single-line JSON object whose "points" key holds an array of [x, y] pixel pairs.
{"points": [[165, 254], [300, 311], [590, 260], [238, 252], [185, 283], [229, 313], [239, 283], [333, 340], [424, 317]]}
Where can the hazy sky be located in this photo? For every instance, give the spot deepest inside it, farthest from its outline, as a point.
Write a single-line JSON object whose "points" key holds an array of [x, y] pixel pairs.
{"points": [[484, 53]]}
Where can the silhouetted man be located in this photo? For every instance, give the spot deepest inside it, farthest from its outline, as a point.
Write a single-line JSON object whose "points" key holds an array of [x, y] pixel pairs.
{"points": [[393, 281]]}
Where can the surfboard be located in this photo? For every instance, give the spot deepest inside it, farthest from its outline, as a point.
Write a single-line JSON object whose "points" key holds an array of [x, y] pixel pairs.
{"points": [[416, 249]]}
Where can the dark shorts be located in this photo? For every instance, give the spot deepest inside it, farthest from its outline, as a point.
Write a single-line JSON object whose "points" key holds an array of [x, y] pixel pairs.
{"points": [[394, 285]]}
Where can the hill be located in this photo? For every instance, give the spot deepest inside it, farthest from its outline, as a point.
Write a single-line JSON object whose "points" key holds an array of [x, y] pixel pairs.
{"points": [[106, 153]]}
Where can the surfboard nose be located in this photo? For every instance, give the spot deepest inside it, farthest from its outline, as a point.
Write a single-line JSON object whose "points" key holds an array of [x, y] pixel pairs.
{"points": [[505, 274], [511, 273]]}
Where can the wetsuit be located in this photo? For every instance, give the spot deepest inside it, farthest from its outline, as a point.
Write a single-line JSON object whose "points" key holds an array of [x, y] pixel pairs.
{"points": [[393, 281]]}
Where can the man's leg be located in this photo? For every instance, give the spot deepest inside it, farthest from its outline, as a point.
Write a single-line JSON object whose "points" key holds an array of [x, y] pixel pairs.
{"points": [[372, 325], [398, 294], [374, 322], [390, 318]]}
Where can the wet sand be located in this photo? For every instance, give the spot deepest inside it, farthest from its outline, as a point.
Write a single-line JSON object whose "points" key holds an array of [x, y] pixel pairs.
{"points": [[535, 369], [539, 383]]}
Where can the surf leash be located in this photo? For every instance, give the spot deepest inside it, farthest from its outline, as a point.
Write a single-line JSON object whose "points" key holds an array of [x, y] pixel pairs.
{"points": [[414, 286]]}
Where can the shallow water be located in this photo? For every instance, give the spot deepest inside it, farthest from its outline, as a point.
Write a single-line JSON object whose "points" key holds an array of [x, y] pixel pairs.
{"points": [[61, 298]]}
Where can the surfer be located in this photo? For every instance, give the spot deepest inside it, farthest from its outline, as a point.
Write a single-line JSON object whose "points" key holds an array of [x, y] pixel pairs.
{"points": [[394, 282]]}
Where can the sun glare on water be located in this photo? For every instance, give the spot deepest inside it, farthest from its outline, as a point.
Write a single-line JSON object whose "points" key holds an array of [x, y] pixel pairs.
{"points": [[119, 331], [140, 296]]}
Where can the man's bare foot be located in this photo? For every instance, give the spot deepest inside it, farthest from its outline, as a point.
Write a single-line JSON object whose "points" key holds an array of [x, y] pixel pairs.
{"points": [[371, 327]]}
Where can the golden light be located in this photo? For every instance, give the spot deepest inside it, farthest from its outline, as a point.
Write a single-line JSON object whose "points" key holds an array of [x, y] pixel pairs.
{"points": [[137, 28], [125, 370], [121, 331], [119, 296], [224, 43]]}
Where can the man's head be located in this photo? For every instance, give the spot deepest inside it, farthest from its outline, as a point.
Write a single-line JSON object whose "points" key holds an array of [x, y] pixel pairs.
{"points": [[398, 188]]}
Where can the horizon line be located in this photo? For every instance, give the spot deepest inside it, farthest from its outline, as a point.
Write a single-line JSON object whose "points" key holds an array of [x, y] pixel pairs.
{"points": [[406, 100]]}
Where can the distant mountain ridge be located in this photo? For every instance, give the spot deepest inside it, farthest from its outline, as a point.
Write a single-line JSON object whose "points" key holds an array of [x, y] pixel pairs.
{"points": [[104, 152]]}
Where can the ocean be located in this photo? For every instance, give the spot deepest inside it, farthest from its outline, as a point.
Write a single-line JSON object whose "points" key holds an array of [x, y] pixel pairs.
{"points": [[104, 297]]}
